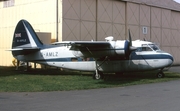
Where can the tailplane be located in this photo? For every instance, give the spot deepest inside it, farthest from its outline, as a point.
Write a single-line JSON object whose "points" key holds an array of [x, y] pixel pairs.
{"points": [[25, 40]]}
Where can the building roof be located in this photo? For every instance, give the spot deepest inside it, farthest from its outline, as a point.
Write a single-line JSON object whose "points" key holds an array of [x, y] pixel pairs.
{"points": [[168, 4]]}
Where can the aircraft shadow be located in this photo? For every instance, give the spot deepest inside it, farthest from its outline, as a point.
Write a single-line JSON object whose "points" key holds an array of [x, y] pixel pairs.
{"points": [[108, 78], [9, 71]]}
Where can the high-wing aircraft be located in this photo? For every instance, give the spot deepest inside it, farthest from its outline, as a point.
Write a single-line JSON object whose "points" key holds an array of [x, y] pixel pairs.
{"points": [[108, 56]]}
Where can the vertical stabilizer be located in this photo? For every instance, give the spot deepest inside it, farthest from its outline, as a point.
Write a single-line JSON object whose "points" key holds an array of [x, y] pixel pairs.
{"points": [[25, 40], [25, 36]]}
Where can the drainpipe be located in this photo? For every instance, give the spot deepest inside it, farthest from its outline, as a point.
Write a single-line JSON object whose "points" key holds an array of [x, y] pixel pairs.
{"points": [[126, 23], [57, 26], [96, 20]]}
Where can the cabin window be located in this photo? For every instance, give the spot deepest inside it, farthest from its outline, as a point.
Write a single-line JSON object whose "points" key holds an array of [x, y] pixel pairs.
{"points": [[74, 59]]}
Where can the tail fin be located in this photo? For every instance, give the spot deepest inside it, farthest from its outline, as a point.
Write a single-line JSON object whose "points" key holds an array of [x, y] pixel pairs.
{"points": [[25, 36], [25, 39]]}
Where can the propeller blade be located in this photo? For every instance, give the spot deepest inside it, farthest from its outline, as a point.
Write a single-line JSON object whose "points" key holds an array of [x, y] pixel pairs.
{"points": [[131, 48], [130, 39]]}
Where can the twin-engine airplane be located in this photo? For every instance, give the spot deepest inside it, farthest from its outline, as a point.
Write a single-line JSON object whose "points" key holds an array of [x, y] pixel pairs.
{"points": [[97, 56]]}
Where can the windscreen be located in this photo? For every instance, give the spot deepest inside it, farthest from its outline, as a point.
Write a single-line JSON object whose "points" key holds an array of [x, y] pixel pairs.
{"points": [[154, 47]]}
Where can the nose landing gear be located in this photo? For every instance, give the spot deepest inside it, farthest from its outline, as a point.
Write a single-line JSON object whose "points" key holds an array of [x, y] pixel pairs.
{"points": [[160, 74]]}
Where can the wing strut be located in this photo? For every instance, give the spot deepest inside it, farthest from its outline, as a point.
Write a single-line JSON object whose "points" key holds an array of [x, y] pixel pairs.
{"points": [[89, 51], [106, 58]]}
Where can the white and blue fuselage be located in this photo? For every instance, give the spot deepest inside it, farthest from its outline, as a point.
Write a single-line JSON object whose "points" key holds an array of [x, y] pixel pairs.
{"points": [[147, 57]]}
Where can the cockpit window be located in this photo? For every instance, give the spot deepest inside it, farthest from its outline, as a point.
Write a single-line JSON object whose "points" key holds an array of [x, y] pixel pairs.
{"points": [[154, 47], [148, 47]]}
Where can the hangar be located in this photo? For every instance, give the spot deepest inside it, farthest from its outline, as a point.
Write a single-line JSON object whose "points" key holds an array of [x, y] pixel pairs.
{"points": [[66, 20]]}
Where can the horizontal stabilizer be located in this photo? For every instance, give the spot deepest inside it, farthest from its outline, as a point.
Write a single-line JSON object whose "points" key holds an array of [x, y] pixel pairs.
{"points": [[24, 49]]}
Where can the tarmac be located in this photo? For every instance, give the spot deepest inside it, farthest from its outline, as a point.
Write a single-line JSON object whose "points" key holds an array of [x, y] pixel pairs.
{"points": [[148, 97], [174, 69]]}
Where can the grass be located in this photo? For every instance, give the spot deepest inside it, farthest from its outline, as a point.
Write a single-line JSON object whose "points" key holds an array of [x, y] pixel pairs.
{"points": [[56, 80]]}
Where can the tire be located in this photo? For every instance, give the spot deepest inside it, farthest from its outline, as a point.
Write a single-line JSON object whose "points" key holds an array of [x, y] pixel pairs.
{"points": [[160, 75], [99, 76]]}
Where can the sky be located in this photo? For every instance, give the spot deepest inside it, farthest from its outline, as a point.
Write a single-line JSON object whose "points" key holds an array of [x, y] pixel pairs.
{"points": [[177, 1]]}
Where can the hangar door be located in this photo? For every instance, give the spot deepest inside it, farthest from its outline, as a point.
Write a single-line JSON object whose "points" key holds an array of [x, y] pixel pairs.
{"points": [[93, 19]]}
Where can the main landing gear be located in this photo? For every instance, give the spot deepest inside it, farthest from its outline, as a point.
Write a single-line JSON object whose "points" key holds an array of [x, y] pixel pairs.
{"points": [[160, 74], [98, 75]]}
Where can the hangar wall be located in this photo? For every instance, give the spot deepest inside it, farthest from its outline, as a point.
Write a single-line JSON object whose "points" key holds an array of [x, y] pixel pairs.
{"points": [[40, 13], [97, 19], [163, 26], [93, 20]]}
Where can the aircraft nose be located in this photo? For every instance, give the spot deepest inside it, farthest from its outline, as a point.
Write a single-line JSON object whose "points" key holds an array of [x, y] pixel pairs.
{"points": [[171, 59]]}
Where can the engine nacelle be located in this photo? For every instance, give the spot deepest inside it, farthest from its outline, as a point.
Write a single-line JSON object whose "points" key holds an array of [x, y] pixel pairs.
{"points": [[122, 48]]}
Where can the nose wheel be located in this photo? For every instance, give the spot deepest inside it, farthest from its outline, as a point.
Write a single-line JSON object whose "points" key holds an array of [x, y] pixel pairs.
{"points": [[160, 74]]}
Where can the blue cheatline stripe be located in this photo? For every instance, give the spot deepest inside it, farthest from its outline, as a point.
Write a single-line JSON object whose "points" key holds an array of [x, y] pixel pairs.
{"points": [[136, 57], [158, 56], [59, 60]]}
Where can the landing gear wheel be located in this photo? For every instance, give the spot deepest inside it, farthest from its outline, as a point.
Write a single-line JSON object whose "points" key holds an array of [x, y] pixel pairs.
{"points": [[98, 75], [160, 74]]}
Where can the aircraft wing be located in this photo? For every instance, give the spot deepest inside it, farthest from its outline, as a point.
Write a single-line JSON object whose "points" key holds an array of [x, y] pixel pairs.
{"points": [[60, 43], [94, 49]]}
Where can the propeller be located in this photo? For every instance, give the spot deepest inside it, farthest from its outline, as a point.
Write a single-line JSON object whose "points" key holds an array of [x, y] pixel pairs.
{"points": [[130, 39], [131, 48]]}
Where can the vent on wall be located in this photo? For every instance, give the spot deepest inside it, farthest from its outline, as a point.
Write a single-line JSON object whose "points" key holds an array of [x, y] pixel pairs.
{"points": [[145, 30], [8, 3]]}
